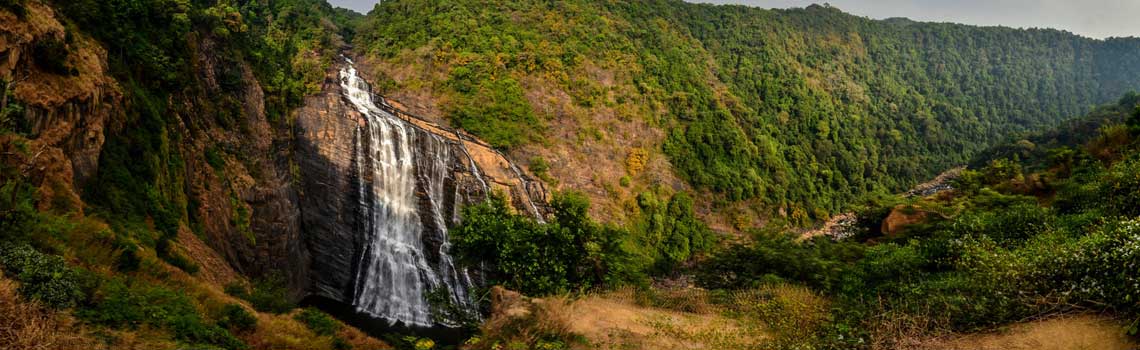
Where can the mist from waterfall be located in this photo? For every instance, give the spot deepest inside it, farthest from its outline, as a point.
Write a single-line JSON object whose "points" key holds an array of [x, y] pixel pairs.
{"points": [[394, 160]]}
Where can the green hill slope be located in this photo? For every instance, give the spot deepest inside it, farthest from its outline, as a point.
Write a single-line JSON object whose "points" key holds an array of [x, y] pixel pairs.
{"points": [[799, 110]]}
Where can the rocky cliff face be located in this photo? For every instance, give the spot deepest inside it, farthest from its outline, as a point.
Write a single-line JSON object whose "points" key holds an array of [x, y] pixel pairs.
{"points": [[337, 215], [64, 115], [249, 209], [265, 197], [68, 112]]}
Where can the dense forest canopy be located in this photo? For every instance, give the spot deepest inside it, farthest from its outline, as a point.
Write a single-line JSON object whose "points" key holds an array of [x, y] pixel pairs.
{"points": [[804, 109]]}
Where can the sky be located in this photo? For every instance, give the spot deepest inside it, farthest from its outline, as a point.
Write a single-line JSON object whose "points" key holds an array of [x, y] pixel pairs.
{"points": [[1091, 18]]}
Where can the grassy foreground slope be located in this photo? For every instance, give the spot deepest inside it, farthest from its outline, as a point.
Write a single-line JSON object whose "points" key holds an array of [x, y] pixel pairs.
{"points": [[790, 111], [1014, 240]]}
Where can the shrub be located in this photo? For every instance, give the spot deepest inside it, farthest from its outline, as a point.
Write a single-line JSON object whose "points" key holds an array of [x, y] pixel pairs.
{"points": [[446, 310], [267, 295], [43, 277], [128, 259], [819, 263], [572, 253], [122, 305], [170, 256], [235, 318], [317, 321], [547, 326], [1120, 190], [339, 343], [1098, 269], [794, 315], [1007, 226], [214, 159], [11, 115]]}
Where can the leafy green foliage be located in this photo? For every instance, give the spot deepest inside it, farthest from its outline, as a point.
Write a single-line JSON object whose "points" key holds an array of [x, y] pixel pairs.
{"points": [[11, 111], [671, 231], [153, 46], [43, 277], [445, 310], [1119, 189], [318, 321], [1134, 121], [120, 303], [804, 109], [572, 253], [514, 123], [18, 214], [268, 294], [998, 257], [237, 319]]}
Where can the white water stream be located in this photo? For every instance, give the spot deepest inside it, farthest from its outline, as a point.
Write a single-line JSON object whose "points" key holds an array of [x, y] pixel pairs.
{"points": [[393, 157]]}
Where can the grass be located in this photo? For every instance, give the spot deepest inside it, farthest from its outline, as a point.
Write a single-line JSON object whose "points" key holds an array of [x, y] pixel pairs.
{"points": [[1074, 332], [30, 325]]}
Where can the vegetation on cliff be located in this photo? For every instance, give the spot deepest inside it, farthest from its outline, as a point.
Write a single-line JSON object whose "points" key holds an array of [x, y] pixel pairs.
{"points": [[105, 268], [804, 109], [1005, 245], [573, 253]]}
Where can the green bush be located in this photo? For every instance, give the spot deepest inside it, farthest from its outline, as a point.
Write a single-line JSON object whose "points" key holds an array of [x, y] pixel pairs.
{"points": [[1011, 225], [11, 115], [317, 321], [129, 259], [1120, 189], [18, 214], [167, 254], [267, 294], [669, 232], [129, 305], [214, 158], [571, 253], [45, 278], [235, 318], [339, 343], [819, 263]]}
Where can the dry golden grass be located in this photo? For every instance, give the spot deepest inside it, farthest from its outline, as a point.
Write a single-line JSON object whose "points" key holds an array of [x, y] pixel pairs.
{"points": [[675, 319], [1079, 332], [773, 316], [26, 325], [528, 322]]}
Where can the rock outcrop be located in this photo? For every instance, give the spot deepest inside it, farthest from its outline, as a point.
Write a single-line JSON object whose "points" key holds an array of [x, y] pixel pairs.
{"points": [[331, 203], [266, 198], [62, 113]]}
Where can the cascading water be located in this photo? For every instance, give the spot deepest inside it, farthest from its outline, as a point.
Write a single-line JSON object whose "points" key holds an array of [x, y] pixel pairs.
{"points": [[398, 164]]}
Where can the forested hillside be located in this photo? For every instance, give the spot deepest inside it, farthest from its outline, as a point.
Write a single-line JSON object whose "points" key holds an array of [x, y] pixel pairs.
{"points": [[797, 110], [137, 140]]}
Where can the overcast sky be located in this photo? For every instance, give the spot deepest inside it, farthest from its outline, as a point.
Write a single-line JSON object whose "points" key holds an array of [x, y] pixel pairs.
{"points": [[1092, 18]]}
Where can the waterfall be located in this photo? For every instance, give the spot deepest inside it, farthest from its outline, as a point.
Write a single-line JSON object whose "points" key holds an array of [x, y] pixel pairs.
{"points": [[398, 165]]}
